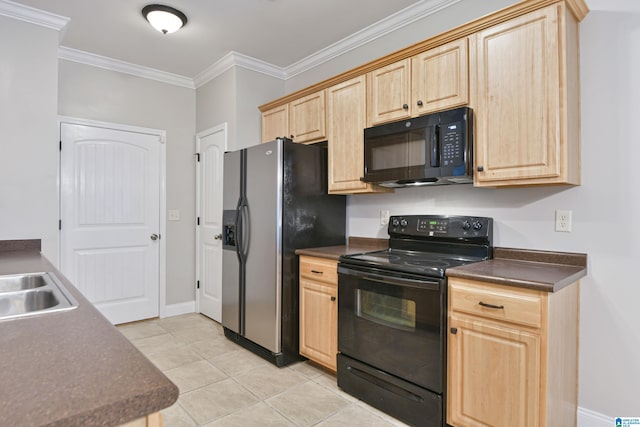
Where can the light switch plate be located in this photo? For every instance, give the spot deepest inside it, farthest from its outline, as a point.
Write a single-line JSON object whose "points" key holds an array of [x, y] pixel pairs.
{"points": [[174, 215]]}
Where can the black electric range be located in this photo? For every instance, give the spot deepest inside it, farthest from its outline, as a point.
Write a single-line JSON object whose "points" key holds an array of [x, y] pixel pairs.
{"points": [[392, 313]]}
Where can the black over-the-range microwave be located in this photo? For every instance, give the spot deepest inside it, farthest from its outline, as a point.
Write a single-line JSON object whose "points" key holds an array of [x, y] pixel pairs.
{"points": [[432, 149]]}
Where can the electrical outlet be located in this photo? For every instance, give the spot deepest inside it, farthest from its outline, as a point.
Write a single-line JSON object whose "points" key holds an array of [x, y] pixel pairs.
{"points": [[174, 215], [384, 216], [563, 221]]}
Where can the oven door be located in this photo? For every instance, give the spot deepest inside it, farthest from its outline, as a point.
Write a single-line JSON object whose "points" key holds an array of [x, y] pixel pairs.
{"points": [[393, 322]]}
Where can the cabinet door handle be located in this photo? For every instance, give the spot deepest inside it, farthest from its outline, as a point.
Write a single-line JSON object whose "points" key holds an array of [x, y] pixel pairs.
{"points": [[333, 298], [317, 272], [484, 304], [419, 103], [454, 330], [480, 168], [405, 106]]}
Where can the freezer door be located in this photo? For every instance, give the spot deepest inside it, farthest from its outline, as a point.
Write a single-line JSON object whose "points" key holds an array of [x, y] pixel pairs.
{"points": [[263, 220], [230, 260]]}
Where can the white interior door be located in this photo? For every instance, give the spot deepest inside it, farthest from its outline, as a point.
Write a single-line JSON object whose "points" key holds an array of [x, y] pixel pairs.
{"points": [[110, 212], [210, 145]]}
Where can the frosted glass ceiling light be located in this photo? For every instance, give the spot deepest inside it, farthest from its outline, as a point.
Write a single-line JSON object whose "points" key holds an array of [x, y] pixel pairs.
{"points": [[164, 18]]}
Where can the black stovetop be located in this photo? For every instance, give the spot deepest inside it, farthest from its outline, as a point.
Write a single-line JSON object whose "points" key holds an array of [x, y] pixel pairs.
{"points": [[427, 245]]}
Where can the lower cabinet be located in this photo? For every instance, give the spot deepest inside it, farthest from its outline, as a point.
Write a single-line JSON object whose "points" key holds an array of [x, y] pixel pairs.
{"points": [[512, 355], [319, 310]]}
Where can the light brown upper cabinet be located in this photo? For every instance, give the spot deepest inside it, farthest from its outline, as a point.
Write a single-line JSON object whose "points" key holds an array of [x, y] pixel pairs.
{"points": [[527, 106], [303, 120], [434, 80], [346, 119], [275, 123], [307, 120]]}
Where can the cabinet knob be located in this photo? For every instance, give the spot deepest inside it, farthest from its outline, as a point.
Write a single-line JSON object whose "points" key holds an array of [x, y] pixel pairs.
{"points": [[480, 168], [405, 106], [454, 330], [333, 298], [218, 237], [291, 136], [420, 104]]}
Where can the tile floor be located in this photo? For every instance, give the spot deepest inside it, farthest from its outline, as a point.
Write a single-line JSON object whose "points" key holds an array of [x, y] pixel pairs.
{"points": [[222, 384]]}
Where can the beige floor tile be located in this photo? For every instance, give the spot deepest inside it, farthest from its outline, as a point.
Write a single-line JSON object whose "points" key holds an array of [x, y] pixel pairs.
{"points": [[186, 321], [175, 416], [212, 348], [157, 343], [329, 381], [216, 400], [237, 362], [194, 375], [197, 333], [307, 403], [255, 415], [269, 380], [354, 416], [173, 358], [306, 369], [139, 330], [388, 418]]}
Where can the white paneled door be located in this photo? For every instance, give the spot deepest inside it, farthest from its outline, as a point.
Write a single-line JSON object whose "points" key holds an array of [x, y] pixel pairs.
{"points": [[110, 211], [210, 145]]}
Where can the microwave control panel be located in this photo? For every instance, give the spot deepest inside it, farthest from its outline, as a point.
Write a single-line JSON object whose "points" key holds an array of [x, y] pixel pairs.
{"points": [[451, 139]]}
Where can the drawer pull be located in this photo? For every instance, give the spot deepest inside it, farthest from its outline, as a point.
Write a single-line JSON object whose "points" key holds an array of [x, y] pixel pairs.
{"points": [[317, 272], [484, 304], [333, 298]]}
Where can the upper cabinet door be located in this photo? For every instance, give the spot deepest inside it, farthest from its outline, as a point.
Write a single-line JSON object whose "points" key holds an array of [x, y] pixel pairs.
{"points": [[346, 105], [307, 118], [388, 93], [440, 78], [275, 123], [521, 122]]}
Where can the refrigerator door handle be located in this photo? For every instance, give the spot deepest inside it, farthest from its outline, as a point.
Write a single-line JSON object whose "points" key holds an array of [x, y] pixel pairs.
{"points": [[246, 232], [239, 233]]}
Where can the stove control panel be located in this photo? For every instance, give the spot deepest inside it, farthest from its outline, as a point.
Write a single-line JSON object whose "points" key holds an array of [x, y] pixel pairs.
{"points": [[441, 226]]}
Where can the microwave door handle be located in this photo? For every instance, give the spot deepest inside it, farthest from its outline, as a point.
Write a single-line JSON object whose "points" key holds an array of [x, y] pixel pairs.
{"points": [[435, 146]]}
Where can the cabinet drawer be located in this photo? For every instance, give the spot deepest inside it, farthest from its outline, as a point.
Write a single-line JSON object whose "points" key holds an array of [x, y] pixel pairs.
{"points": [[322, 269], [520, 306]]}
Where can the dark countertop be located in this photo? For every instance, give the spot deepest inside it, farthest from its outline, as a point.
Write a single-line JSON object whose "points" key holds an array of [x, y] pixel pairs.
{"points": [[72, 368], [538, 270], [355, 245]]}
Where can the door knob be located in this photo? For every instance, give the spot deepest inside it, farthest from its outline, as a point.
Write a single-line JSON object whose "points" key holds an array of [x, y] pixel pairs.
{"points": [[218, 237], [154, 237]]}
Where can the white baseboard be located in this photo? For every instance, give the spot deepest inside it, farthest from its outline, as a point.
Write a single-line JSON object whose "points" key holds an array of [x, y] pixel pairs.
{"points": [[589, 418], [178, 309]]}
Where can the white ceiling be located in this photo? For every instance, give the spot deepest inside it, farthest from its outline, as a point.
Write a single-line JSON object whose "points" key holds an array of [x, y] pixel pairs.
{"points": [[279, 32]]}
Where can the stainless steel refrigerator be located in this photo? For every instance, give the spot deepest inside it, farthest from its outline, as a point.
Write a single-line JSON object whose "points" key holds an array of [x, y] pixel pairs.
{"points": [[275, 201]]}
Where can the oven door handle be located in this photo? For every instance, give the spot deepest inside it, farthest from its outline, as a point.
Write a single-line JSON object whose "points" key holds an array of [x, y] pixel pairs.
{"points": [[393, 280]]}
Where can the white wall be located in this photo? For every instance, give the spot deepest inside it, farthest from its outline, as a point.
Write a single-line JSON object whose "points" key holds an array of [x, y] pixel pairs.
{"points": [[606, 207], [29, 142], [234, 97], [98, 94]]}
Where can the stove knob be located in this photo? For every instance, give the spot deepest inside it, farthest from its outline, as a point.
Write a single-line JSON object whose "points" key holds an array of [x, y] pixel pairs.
{"points": [[395, 222], [466, 225], [477, 225], [403, 222]]}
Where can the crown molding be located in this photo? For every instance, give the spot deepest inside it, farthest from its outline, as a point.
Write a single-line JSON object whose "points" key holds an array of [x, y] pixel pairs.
{"points": [[232, 59], [33, 15], [107, 63], [235, 59], [385, 26]]}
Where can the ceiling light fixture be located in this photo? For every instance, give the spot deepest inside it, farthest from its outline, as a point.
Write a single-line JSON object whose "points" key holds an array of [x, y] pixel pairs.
{"points": [[164, 18]]}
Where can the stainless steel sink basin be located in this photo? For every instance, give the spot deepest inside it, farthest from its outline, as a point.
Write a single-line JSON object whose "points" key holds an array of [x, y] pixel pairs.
{"points": [[20, 282], [32, 294]]}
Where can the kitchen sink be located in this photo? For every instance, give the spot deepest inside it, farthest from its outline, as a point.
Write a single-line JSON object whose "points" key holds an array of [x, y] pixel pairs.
{"points": [[32, 294]]}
